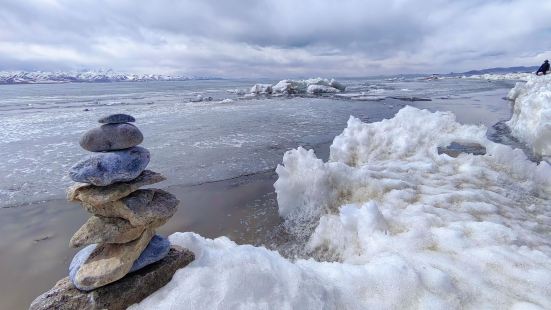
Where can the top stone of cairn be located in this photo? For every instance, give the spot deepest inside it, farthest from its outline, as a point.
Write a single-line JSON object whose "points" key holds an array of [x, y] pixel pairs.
{"points": [[117, 119]]}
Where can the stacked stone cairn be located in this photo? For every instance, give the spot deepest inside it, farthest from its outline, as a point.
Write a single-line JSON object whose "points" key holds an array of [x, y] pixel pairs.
{"points": [[123, 260]]}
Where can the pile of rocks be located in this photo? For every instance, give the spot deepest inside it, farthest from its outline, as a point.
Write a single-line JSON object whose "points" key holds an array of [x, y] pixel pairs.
{"points": [[120, 236]]}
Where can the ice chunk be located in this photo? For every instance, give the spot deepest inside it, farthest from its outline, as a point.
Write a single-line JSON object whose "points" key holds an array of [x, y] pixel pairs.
{"points": [[531, 120], [321, 89], [312, 86], [261, 89]]}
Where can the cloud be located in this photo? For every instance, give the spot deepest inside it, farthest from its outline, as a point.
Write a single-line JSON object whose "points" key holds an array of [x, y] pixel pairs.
{"points": [[248, 38]]}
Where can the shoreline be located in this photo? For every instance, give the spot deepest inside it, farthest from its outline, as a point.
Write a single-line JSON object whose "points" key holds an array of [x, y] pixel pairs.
{"points": [[242, 208]]}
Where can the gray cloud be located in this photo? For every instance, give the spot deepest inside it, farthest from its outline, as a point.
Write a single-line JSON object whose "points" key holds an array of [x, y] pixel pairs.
{"points": [[273, 38]]}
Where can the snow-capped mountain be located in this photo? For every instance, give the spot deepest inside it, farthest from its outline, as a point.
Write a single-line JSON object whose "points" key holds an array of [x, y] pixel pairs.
{"points": [[41, 77]]}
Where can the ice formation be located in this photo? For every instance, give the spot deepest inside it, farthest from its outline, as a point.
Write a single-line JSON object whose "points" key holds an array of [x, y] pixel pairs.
{"points": [[261, 89], [389, 224], [531, 120], [310, 86], [522, 76]]}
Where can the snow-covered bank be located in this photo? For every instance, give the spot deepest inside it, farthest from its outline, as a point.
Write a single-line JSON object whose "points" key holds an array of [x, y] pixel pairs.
{"points": [[392, 225], [310, 86], [531, 120]]}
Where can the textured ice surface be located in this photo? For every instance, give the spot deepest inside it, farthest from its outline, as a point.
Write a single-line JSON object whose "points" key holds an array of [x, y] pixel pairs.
{"points": [[531, 120], [388, 223], [523, 76]]}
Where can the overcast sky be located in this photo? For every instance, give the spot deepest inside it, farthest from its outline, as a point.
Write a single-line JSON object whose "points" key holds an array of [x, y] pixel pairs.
{"points": [[284, 38]]}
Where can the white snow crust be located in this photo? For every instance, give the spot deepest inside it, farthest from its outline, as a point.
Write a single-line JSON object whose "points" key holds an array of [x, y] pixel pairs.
{"points": [[531, 120], [310, 86], [388, 223]]}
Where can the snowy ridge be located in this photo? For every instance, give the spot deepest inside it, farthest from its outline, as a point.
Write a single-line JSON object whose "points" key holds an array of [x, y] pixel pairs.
{"points": [[392, 225], [531, 120], [40, 77]]}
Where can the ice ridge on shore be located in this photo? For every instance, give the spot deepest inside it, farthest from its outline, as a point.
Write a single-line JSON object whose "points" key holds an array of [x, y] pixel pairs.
{"points": [[531, 120]]}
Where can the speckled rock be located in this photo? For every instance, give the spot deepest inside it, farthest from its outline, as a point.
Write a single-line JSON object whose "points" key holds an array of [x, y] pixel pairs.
{"points": [[111, 137], [156, 250], [116, 119], [99, 195], [106, 263], [103, 169], [140, 208], [109, 230], [118, 295]]}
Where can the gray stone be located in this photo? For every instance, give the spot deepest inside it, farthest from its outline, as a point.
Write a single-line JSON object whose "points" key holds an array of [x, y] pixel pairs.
{"points": [[103, 169], [118, 295], [140, 208], [455, 148], [100, 195], [116, 119], [111, 137], [106, 263], [107, 230], [156, 250]]}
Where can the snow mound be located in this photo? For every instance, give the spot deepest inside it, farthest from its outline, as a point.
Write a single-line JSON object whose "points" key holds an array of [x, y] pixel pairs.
{"points": [[531, 120], [311, 86], [388, 223]]}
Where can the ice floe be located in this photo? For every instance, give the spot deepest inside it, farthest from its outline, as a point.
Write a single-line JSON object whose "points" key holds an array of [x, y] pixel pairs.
{"points": [[310, 86]]}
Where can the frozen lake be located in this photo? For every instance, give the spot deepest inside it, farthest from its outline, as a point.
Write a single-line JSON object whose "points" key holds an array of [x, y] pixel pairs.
{"points": [[219, 157]]}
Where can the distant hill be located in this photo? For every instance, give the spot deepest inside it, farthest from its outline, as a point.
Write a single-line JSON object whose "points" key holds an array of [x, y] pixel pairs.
{"points": [[101, 76]]}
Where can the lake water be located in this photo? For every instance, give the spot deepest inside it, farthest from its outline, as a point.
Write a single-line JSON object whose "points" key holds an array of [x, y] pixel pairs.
{"points": [[219, 157]]}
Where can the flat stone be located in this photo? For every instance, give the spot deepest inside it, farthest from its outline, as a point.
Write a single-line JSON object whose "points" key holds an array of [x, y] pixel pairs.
{"points": [[111, 137], [109, 230], [100, 195], [140, 208], [116, 119], [118, 295], [156, 250], [102, 264], [456, 148], [103, 169]]}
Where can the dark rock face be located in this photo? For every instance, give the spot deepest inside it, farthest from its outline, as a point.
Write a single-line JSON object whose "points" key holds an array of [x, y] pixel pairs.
{"points": [[111, 137], [116, 119], [103, 169], [129, 290], [455, 148]]}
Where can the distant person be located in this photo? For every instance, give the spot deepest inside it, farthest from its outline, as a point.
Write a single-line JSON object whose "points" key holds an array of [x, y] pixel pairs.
{"points": [[544, 68]]}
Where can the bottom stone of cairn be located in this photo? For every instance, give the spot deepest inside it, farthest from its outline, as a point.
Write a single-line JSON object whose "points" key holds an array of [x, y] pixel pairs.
{"points": [[131, 289]]}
